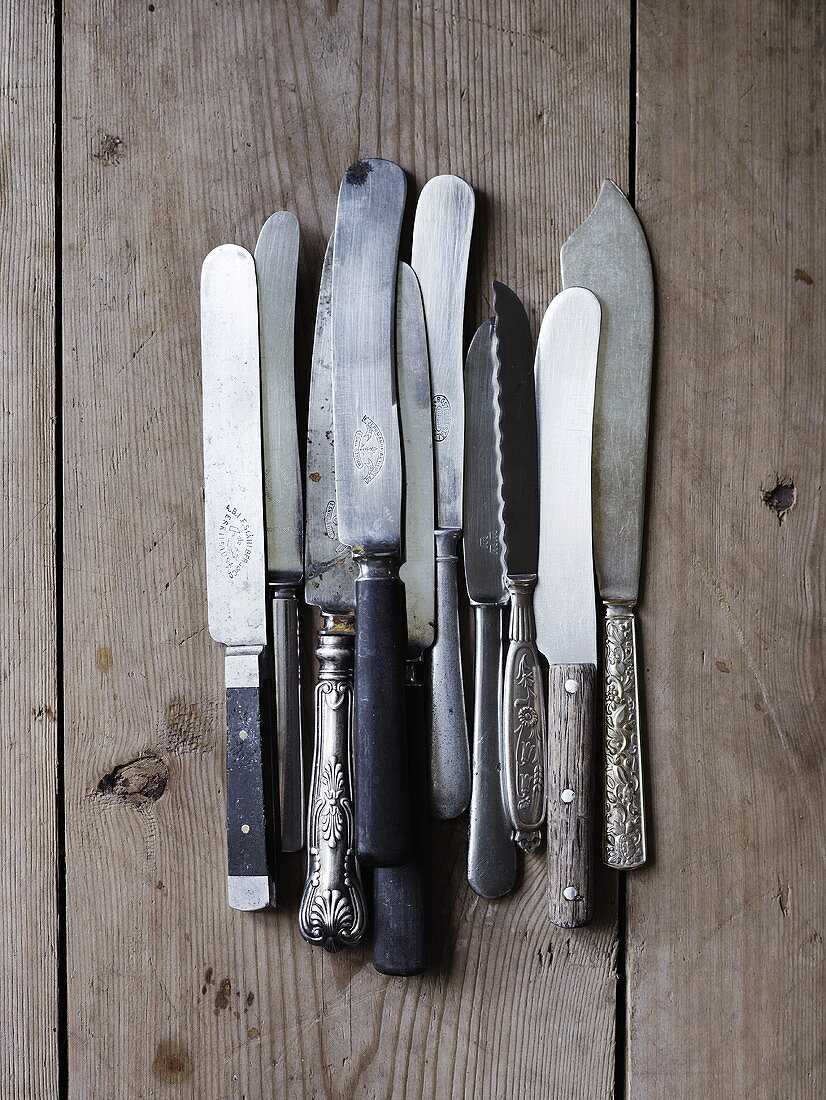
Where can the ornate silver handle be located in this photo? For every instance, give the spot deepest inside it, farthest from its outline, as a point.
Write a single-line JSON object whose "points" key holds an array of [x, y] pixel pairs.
{"points": [[288, 716], [523, 720], [624, 838], [332, 911], [449, 782]]}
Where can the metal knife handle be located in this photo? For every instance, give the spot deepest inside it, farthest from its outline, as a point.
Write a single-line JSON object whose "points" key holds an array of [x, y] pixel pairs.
{"points": [[571, 713], [288, 716], [491, 856], [332, 911], [523, 720], [382, 795], [250, 842], [449, 779], [624, 839], [399, 915]]}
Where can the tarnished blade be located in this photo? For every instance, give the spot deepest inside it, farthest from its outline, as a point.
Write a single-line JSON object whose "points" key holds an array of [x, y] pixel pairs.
{"points": [[413, 376], [233, 490], [441, 243], [329, 569], [513, 347], [483, 523], [365, 253], [276, 265], [566, 363], [608, 255]]}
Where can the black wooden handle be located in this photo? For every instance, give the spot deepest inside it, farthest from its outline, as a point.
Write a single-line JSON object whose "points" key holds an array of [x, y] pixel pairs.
{"points": [[399, 916], [382, 799], [250, 860]]}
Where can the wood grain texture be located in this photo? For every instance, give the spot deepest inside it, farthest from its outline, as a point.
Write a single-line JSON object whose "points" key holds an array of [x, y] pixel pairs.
{"points": [[28, 631], [185, 126], [725, 928], [572, 763]]}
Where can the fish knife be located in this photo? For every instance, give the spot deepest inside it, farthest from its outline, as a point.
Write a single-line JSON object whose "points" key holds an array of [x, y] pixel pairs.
{"points": [[609, 255], [234, 532], [399, 916], [565, 599], [276, 265], [523, 706], [492, 865], [441, 244], [332, 912], [368, 478]]}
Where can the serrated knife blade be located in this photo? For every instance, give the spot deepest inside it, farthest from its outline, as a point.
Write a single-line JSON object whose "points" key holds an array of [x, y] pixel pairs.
{"points": [[609, 255], [566, 361]]}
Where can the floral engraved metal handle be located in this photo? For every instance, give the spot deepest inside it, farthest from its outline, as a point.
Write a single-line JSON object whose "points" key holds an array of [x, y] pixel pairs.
{"points": [[332, 911], [624, 838], [523, 721]]}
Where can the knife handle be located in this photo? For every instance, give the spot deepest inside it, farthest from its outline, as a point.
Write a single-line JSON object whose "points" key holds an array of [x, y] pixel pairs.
{"points": [[571, 713], [250, 842], [399, 915], [382, 796], [449, 778], [491, 855], [288, 716], [523, 720], [332, 911], [624, 839]]}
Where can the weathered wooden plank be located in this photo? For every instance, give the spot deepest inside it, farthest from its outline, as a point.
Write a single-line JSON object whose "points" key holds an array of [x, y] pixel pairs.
{"points": [[28, 638], [185, 126], [725, 929]]}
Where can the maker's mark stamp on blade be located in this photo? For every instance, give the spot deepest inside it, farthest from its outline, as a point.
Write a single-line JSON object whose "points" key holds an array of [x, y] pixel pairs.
{"points": [[369, 449], [490, 542], [331, 527], [442, 418], [235, 541]]}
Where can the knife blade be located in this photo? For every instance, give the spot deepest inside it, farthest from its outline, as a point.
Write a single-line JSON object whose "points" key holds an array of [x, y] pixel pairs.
{"points": [[491, 864], [523, 706], [399, 941], [565, 605], [368, 477], [276, 265], [332, 911], [441, 244], [234, 533], [609, 255]]}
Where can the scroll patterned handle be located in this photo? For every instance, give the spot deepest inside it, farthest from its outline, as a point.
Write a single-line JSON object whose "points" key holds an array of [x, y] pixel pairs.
{"points": [[523, 720], [624, 839], [332, 911]]}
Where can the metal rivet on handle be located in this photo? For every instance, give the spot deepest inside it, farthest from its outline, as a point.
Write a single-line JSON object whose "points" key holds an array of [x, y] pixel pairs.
{"points": [[571, 686], [245, 829], [570, 892], [568, 795], [242, 735]]}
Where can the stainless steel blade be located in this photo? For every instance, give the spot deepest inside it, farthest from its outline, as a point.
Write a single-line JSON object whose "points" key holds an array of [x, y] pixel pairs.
{"points": [[513, 347], [483, 516], [566, 362], [441, 243], [233, 490], [413, 375], [365, 254], [276, 265], [329, 570], [608, 254]]}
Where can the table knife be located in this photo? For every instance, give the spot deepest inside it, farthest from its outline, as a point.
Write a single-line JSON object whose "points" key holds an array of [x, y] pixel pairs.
{"points": [[491, 861], [609, 255], [399, 926], [565, 602], [441, 244], [523, 707], [332, 912], [368, 478], [276, 265], [234, 532]]}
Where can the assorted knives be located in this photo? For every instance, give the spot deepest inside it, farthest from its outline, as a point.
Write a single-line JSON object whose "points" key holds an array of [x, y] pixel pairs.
{"points": [[528, 463]]}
